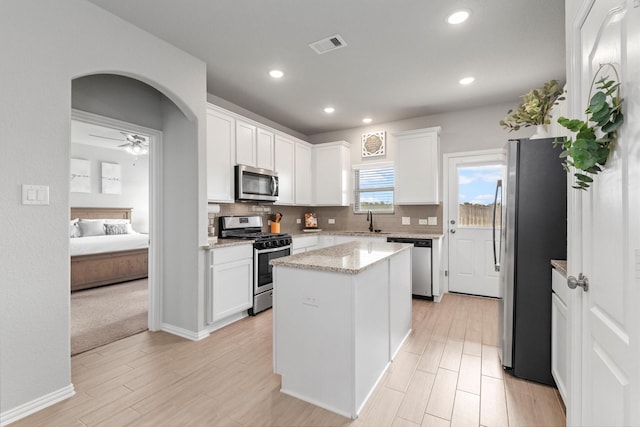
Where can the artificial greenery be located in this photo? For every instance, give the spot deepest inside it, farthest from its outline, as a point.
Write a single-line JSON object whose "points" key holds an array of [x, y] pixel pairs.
{"points": [[534, 108], [589, 150]]}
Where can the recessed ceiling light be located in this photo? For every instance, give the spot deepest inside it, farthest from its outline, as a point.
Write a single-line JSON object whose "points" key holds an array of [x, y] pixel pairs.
{"points": [[276, 74], [329, 110], [367, 120], [467, 80], [458, 17]]}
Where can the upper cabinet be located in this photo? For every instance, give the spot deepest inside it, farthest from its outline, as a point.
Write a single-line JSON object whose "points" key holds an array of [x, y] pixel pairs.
{"points": [[221, 135], [418, 167], [264, 149], [254, 146], [332, 164], [303, 165], [284, 165], [233, 139], [245, 144]]}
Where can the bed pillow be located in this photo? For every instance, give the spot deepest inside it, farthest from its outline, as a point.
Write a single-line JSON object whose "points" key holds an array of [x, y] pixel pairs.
{"points": [[113, 229], [92, 227], [74, 229], [116, 221]]}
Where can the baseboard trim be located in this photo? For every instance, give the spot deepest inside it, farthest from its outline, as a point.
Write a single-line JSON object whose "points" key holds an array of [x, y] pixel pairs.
{"points": [[184, 333], [36, 405], [227, 321]]}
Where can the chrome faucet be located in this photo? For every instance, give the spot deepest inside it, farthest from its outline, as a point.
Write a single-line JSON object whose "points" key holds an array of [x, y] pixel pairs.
{"points": [[370, 219]]}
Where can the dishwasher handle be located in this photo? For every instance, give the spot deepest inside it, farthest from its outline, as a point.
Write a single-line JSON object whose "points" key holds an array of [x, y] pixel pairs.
{"points": [[418, 243]]}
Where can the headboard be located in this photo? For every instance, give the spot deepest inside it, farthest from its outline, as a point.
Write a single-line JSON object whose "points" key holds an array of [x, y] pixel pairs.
{"points": [[100, 213]]}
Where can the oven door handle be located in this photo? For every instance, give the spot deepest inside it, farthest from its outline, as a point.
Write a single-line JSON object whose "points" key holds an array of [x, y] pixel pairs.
{"points": [[266, 251]]}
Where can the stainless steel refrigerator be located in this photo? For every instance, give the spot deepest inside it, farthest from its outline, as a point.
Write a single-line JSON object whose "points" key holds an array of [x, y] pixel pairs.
{"points": [[532, 232]]}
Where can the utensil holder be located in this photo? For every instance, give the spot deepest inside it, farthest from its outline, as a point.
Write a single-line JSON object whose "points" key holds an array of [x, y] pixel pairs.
{"points": [[275, 227]]}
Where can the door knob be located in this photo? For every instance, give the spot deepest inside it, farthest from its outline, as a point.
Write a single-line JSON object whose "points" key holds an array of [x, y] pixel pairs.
{"points": [[452, 231], [582, 281]]}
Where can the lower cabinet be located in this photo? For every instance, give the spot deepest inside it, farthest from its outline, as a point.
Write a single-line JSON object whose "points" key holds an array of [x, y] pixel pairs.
{"points": [[559, 333], [230, 282], [301, 244]]}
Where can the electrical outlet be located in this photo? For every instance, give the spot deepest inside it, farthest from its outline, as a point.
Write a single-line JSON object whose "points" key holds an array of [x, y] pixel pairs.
{"points": [[298, 221], [332, 221], [406, 220], [433, 220], [423, 221]]}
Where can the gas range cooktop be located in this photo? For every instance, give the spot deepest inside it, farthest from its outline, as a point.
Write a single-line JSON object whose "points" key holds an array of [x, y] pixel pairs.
{"points": [[250, 228]]}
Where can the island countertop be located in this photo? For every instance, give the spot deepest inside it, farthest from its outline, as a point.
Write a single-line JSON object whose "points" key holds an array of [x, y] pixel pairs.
{"points": [[348, 258]]}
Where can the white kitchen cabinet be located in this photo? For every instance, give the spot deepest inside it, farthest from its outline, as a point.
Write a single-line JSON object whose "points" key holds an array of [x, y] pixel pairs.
{"points": [[245, 143], [559, 333], [303, 177], [284, 165], [254, 146], [221, 135], [230, 283], [264, 149], [332, 173], [301, 244], [417, 167]]}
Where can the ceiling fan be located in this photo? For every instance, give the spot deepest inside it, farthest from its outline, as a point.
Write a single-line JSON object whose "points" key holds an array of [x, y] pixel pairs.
{"points": [[136, 144]]}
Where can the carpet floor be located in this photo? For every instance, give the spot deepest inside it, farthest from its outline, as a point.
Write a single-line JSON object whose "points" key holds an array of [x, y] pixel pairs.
{"points": [[103, 315]]}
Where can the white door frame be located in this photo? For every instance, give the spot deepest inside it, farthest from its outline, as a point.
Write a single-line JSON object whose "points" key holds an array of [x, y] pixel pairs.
{"points": [[155, 205], [496, 154]]}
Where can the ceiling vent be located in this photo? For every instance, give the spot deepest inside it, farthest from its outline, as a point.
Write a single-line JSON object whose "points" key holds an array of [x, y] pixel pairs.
{"points": [[328, 44]]}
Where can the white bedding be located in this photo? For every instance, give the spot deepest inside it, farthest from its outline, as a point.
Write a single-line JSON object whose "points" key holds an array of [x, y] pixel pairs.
{"points": [[112, 243]]}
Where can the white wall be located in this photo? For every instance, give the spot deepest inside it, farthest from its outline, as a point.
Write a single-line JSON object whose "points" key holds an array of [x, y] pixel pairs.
{"points": [[118, 97], [465, 130], [45, 46], [134, 178]]}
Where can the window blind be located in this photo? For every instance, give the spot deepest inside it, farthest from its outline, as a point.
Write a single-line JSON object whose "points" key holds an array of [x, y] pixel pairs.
{"points": [[374, 188]]}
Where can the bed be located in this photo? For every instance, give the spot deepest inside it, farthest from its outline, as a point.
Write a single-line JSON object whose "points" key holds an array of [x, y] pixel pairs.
{"points": [[105, 260]]}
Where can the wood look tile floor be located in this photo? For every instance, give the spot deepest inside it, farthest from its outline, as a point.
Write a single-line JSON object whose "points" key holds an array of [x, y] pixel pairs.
{"points": [[447, 374]]}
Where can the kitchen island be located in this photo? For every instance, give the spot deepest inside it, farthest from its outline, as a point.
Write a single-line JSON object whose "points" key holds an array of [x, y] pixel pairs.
{"points": [[340, 316]]}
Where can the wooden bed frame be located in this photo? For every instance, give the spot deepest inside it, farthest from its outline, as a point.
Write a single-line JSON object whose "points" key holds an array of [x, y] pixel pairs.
{"points": [[90, 271]]}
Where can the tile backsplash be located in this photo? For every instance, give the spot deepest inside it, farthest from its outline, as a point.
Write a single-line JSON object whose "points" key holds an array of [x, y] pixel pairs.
{"points": [[343, 216]]}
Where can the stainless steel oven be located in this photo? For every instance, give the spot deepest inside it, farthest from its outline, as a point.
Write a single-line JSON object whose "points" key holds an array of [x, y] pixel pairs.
{"points": [[262, 274]]}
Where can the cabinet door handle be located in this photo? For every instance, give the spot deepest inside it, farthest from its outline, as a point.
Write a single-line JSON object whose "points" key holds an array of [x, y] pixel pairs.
{"points": [[582, 281]]}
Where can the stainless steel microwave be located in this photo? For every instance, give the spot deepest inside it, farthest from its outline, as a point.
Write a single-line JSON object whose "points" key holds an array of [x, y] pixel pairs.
{"points": [[255, 184]]}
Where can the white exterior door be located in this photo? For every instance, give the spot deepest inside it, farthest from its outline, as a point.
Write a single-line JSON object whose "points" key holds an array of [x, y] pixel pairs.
{"points": [[471, 189], [604, 231]]}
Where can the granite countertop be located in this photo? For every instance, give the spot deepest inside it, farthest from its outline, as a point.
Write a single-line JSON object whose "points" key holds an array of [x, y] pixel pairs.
{"points": [[223, 243], [369, 234], [347, 258], [560, 265]]}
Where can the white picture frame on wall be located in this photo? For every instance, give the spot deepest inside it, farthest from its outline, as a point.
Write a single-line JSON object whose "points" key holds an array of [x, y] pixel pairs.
{"points": [[80, 180], [373, 144], [111, 179]]}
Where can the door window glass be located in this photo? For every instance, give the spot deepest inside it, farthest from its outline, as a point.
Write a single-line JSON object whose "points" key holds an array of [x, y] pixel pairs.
{"points": [[476, 193]]}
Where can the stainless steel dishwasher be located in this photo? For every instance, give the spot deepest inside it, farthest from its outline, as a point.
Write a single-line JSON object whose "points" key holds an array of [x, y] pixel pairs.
{"points": [[421, 269]]}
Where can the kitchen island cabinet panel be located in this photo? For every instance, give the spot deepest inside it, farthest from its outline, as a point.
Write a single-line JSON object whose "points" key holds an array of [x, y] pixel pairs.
{"points": [[340, 315]]}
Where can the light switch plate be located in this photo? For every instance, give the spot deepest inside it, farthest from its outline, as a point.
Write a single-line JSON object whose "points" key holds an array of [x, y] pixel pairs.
{"points": [[406, 220], [35, 194], [298, 221], [433, 220], [332, 221], [423, 221]]}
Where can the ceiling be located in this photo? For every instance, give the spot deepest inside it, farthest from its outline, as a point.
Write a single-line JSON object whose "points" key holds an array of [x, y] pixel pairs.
{"points": [[402, 58]]}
